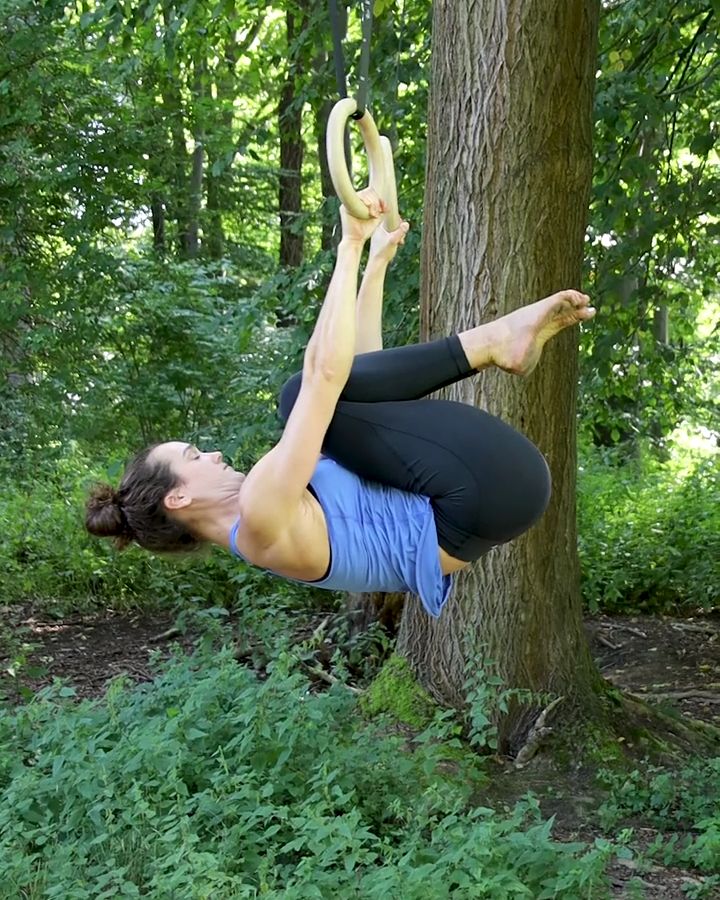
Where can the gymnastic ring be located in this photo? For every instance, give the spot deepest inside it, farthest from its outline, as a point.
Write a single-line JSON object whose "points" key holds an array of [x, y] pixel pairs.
{"points": [[379, 153]]}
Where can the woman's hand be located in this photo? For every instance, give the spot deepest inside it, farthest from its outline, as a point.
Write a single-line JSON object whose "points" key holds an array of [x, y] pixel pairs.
{"points": [[359, 230], [384, 244]]}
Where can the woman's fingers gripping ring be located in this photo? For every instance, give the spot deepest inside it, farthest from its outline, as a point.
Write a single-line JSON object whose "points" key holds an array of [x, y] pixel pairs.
{"points": [[375, 205]]}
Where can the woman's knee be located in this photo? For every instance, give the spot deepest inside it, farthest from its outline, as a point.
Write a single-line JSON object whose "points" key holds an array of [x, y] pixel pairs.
{"points": [[508, 494], [523, 489]]}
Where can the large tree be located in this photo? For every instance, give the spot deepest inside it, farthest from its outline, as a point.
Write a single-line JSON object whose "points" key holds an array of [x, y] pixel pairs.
{"points": [[508, 181]]}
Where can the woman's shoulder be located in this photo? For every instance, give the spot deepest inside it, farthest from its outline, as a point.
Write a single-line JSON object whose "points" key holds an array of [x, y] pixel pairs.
{"points": [[301, 551]]}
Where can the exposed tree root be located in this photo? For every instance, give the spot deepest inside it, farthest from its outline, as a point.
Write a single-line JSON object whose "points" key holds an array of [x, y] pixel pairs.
{"points": [[708, 696], [650, 731]]}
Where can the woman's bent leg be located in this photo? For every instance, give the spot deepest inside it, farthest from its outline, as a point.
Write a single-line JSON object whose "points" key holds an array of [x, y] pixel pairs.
{"points": [[400, 373], [486, 481]]}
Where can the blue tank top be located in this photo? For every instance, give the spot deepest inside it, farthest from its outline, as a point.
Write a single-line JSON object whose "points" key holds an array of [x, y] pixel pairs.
{"points": [[381, 538]]}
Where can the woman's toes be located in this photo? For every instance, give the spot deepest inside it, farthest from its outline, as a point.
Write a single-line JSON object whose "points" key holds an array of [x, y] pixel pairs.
{"points": [[579, 300]]}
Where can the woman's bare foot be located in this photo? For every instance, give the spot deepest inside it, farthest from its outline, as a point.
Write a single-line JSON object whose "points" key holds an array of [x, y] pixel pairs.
{"points": [[521, 335]]}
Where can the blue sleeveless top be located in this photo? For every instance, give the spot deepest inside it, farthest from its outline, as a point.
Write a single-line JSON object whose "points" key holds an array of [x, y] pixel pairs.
{"points": [[381, 538]]}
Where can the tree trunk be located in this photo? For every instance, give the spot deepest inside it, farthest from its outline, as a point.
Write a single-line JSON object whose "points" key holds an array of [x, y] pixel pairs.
{"points": [[192, 246], [157, 208], [175, 119], [221, 142], [291, 145], [214, 244], [508, 182]]}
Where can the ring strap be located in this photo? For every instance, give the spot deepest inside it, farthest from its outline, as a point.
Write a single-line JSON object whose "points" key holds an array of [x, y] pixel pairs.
{"points": [[338, 26]]}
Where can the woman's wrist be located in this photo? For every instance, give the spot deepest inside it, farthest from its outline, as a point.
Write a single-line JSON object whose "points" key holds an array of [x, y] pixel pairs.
{"points": [[377, 260], [352, 244]]}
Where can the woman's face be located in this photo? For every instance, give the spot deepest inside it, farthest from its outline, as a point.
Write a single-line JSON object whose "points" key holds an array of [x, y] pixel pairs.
{"points": [[202, 475]]}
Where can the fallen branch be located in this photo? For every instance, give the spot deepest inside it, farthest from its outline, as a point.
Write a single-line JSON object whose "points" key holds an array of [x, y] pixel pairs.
{"points": [[707, 696], [173, 631], [329, 678], [689, 626], [635, 631], [607, 642], [319, 633], [535, 736]]}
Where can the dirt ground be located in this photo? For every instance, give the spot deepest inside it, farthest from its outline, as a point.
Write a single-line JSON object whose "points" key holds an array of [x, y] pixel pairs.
{"points": [[673, 661]]}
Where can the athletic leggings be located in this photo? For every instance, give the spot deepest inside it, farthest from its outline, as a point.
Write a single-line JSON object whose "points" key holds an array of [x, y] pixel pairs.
{"points": [[487, 483]]}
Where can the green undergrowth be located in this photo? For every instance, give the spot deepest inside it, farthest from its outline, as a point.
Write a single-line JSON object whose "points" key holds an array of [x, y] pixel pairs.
{"points": [[682, 804], [213, 783], [649, 532]]}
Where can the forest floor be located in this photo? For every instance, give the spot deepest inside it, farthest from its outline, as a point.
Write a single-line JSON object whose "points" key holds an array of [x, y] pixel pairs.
{"points": [[672, 661]]}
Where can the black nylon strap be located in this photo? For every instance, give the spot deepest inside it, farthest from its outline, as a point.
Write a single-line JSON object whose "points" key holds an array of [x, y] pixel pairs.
{"points": [[338, 26], [364, 72]]}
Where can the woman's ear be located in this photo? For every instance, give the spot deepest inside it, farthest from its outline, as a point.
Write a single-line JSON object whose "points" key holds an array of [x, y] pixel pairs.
{"points": [[176, 499]]}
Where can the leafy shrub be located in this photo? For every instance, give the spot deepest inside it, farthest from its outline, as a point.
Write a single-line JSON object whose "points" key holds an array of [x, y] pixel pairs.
{"points": [[649, 533], [685, 805], [211, 783]]}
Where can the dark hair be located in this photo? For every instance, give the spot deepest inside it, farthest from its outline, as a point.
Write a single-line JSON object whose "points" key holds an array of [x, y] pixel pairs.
{"points": [[136, 510]]}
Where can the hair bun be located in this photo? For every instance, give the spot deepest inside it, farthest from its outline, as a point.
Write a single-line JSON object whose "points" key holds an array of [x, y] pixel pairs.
{"points": [[103, 514]]}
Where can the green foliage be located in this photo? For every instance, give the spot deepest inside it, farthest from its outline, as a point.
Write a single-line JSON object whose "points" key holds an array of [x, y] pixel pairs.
{"points": [[210, 783], [487, 699], [652, 249], [16, 648], [684, 805], [649, 533]]}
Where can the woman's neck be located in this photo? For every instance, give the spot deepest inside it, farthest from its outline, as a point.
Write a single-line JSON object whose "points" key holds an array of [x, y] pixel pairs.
{"points": [[213, 522]]}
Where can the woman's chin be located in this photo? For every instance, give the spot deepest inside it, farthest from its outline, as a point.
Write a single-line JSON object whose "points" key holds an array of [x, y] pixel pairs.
{"points": [[235, 478]]}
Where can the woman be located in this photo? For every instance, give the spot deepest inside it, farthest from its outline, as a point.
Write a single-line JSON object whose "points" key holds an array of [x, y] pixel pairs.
{"points": [[371, 487]]}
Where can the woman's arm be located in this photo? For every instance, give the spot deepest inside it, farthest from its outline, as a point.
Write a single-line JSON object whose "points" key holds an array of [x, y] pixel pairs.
{"points": [[270, 495], [368, 316], [383, 247]]}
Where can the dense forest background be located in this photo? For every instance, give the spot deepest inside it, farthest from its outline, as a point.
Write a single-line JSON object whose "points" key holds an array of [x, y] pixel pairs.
{"points": [[167, 226]]}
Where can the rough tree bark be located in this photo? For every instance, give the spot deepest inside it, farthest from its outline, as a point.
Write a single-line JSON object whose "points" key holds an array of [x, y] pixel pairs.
{"points": [[508, 180]]}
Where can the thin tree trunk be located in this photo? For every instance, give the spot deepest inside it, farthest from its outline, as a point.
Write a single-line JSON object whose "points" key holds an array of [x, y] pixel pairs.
{"points": [[214, 243], [174, 117], [192, 247], [157, 209], [219, 141], [661, 324], [178, 202], [292, 147], [217, 181], [509, 169]]}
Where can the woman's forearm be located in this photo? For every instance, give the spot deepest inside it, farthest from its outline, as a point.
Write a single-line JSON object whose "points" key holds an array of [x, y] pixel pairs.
{"points": [[331, 348], [369, 307]]}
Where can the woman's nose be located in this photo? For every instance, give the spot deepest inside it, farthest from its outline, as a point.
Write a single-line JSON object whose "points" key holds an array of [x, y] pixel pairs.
{"points": [[217, 456]]}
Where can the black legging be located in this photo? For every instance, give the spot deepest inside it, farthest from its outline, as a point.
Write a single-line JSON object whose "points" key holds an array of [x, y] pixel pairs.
{"points": [[487, 482]]}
